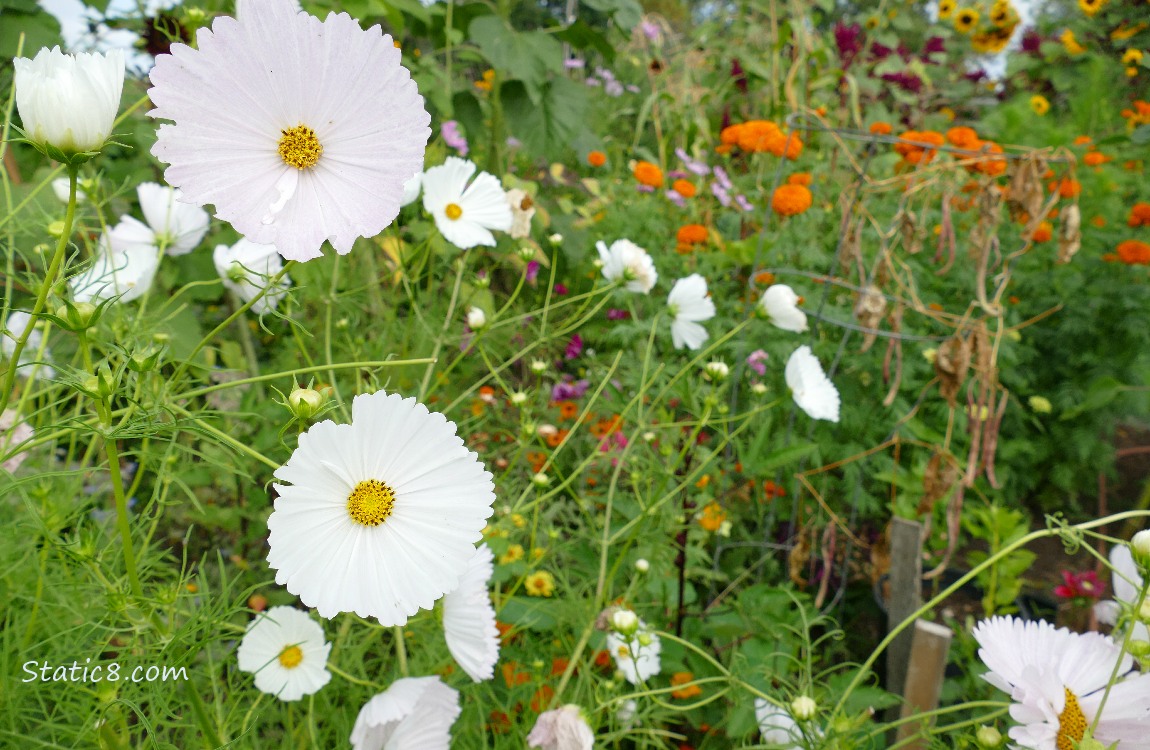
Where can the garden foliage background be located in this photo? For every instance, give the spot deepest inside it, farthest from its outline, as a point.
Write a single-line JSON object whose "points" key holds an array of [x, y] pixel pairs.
{"points": [[970, 253]]}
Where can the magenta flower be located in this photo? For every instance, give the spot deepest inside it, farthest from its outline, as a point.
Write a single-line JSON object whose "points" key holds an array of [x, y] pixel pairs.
{"points": [[532, 271], [756, 360], [569, 389], [1082, 588], [615, 313], [561, 289], [574, 347], [449, 131]]}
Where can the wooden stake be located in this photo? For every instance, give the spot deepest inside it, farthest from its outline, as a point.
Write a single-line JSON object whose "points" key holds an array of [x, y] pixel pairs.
{"points": [[924, 678]]}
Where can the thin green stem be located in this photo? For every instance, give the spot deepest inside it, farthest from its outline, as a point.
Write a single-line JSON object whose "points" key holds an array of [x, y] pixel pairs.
{"points": [[122, 512]]}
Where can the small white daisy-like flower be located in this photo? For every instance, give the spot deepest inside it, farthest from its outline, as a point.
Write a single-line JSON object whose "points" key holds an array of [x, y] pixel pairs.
{"points": [[465, 213], [626, 261], [124, 265], [381, 516], [777, 726], [297, 130], [689, 305], [284, 648], [469, 619], [637, 655], [781, 306], [1057, 678], [812, 390], [246, 268], [17, 323], [522, 211], [1127, 585], [563, 728], [177, 226], [414, 713], [69, 101]]}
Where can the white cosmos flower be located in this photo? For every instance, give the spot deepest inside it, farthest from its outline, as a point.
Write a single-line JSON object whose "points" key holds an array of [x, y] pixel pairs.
{"points": [[1057, 678], [812, 390], [411, 189], [178, 226], [284, 648], [381, 516], [778, 727], [124, 265], [562, 728], [781, 305], [1127, 586], [636, 655], [522, 211], [414, 713], [626, 260], [297, 130], [469, 619], [69, 101], [60, 189], [689, 305], [465, 213], [246, 268], [12, 433], [17, 323]]}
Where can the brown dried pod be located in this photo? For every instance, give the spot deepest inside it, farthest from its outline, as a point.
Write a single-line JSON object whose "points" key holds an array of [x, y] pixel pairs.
{"points": [[1069, 232], [913, 235], [938, 481], [982, 349], [1026, 193], [869, 310], [951, 364], [798, 558]]}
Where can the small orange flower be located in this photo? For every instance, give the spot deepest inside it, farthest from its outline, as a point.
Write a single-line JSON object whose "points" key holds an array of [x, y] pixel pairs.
{"points": [[1082, 140], [1098, 221], [557, 437], [962, 137], [1043, 233], [712, 516], [499, 722], [703, 482], [691, 234], [1095, 158], [764, 278], [757, 135], [511, 674], [648, 174], [568, 409], [790, 200], [799, 178], [603, 658], [683, 188], [729, 136], [684, 678], [542, 698], [1139, 215], [596, 158], [881, 128], [536, 459], [773, 490], [1067, 187], [990, 165], [559, 665], [1134, 253]]}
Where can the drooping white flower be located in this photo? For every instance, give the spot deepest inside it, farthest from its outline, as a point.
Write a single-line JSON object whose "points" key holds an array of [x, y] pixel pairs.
{"points": [[625, 260], [381, 515], [562, 728], [812, 390], [636, 655], [284, 648], [69, 101], [297, 130], [1127, 585], [1057, 678], [781, 306], [18, 322], [465, 213], [522, 211], [123, 266], [469, 619], [414, 713], [177, 226], [689, 305], [777, 726], [246, 268]]}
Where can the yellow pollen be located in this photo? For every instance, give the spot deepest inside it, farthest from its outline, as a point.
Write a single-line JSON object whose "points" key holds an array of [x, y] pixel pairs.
{"points": [[453, 211], [1071, 723], [300, 147], [370, 503], [290, 657], [526, 203]]}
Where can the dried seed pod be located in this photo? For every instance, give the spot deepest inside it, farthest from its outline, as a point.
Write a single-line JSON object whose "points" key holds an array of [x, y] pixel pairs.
{"points": [[869, 310], [951, 364], [913, 235], [1069, 232], [1026, 194], [937, 482]]}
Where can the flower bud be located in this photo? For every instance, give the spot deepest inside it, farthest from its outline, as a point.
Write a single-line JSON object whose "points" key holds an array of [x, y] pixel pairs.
{"points": [[1139, 649], [988, 737], [145, 359], [527, 252], [306, 403], [1040, 404], [68, 103], [625, 622], [555, 239], [1140, 547], [716, 371], [804, 708], [76, 317], [107, 382], [476, 319], [518, 398], [538, 366], [642, 565], [540, 480], [55, 228], [645, 639]]}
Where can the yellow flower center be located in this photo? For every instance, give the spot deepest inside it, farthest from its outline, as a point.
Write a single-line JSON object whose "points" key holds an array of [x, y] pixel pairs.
{"points": [[453, 211], [291, 657], [1071, 723], [300, 147], [370, 503]]}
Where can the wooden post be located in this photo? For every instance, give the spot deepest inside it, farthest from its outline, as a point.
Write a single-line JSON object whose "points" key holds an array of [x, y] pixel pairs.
{"points": [[924, 677], [905, 582]]}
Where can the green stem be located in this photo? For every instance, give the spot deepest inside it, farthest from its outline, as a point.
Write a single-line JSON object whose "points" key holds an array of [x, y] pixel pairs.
{"points": [[400, 650], [45, 289], [122, 511], [303, 371]]}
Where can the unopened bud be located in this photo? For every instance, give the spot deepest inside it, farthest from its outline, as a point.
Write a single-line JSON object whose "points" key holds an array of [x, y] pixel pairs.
{"points": [[145, 359], [625, 622], [717, 371], [540, 479], [538, 366], [1140, 547], [1139, 649], [988, 737], [804, 708], [476, 319], [79, 316], [306, 403], [645, 639], [518, 398], [642, 565]]}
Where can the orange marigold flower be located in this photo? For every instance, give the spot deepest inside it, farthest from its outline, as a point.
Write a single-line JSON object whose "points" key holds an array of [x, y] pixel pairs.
{"points": [[1067, 187], [773, 490], [990, 166], [559, 665], [542, 698], [764, 278], [596, 158], [555, 438], [729, 136], [1043, 233], [568, 409], [962, 137], [1134, 253], [786, 145], [1082, 140], [684, 678], [1098, 221], [799, 178], [881, 128], [1139, 215], [691, 234], [757, 135], [603, 658], [648, 174], [511, 674], [790, 200], [536, 459], [712, 516], [911, 150], [500, 722], [684, 188], [1095, 158]]}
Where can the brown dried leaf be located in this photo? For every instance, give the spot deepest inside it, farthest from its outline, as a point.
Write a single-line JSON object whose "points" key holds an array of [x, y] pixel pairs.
{"points": [[951, 365]]}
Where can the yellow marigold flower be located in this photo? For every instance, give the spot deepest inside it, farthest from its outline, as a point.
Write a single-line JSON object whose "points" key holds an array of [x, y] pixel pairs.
{"points": [[1090, 7], [965, 20], [1132, 57], [485, 83], [1124, 32], [1040, 104], [1131, 72], [514, 553], [684, 678], [712, 517], [540, 583], [1070, 43], [946, 9]]}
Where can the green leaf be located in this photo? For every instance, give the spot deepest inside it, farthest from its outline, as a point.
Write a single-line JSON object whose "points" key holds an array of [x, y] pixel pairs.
{"points": [[780, 458], [1101, 392], [527, 56], [550, 125], [40, 30], [625, 13], [1141, 135], [582, 35]]}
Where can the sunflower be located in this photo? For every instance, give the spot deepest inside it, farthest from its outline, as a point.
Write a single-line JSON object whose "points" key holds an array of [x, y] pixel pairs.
{"points": [[946, 9], [965, 20], [1091, 7], [1040, 104]]}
